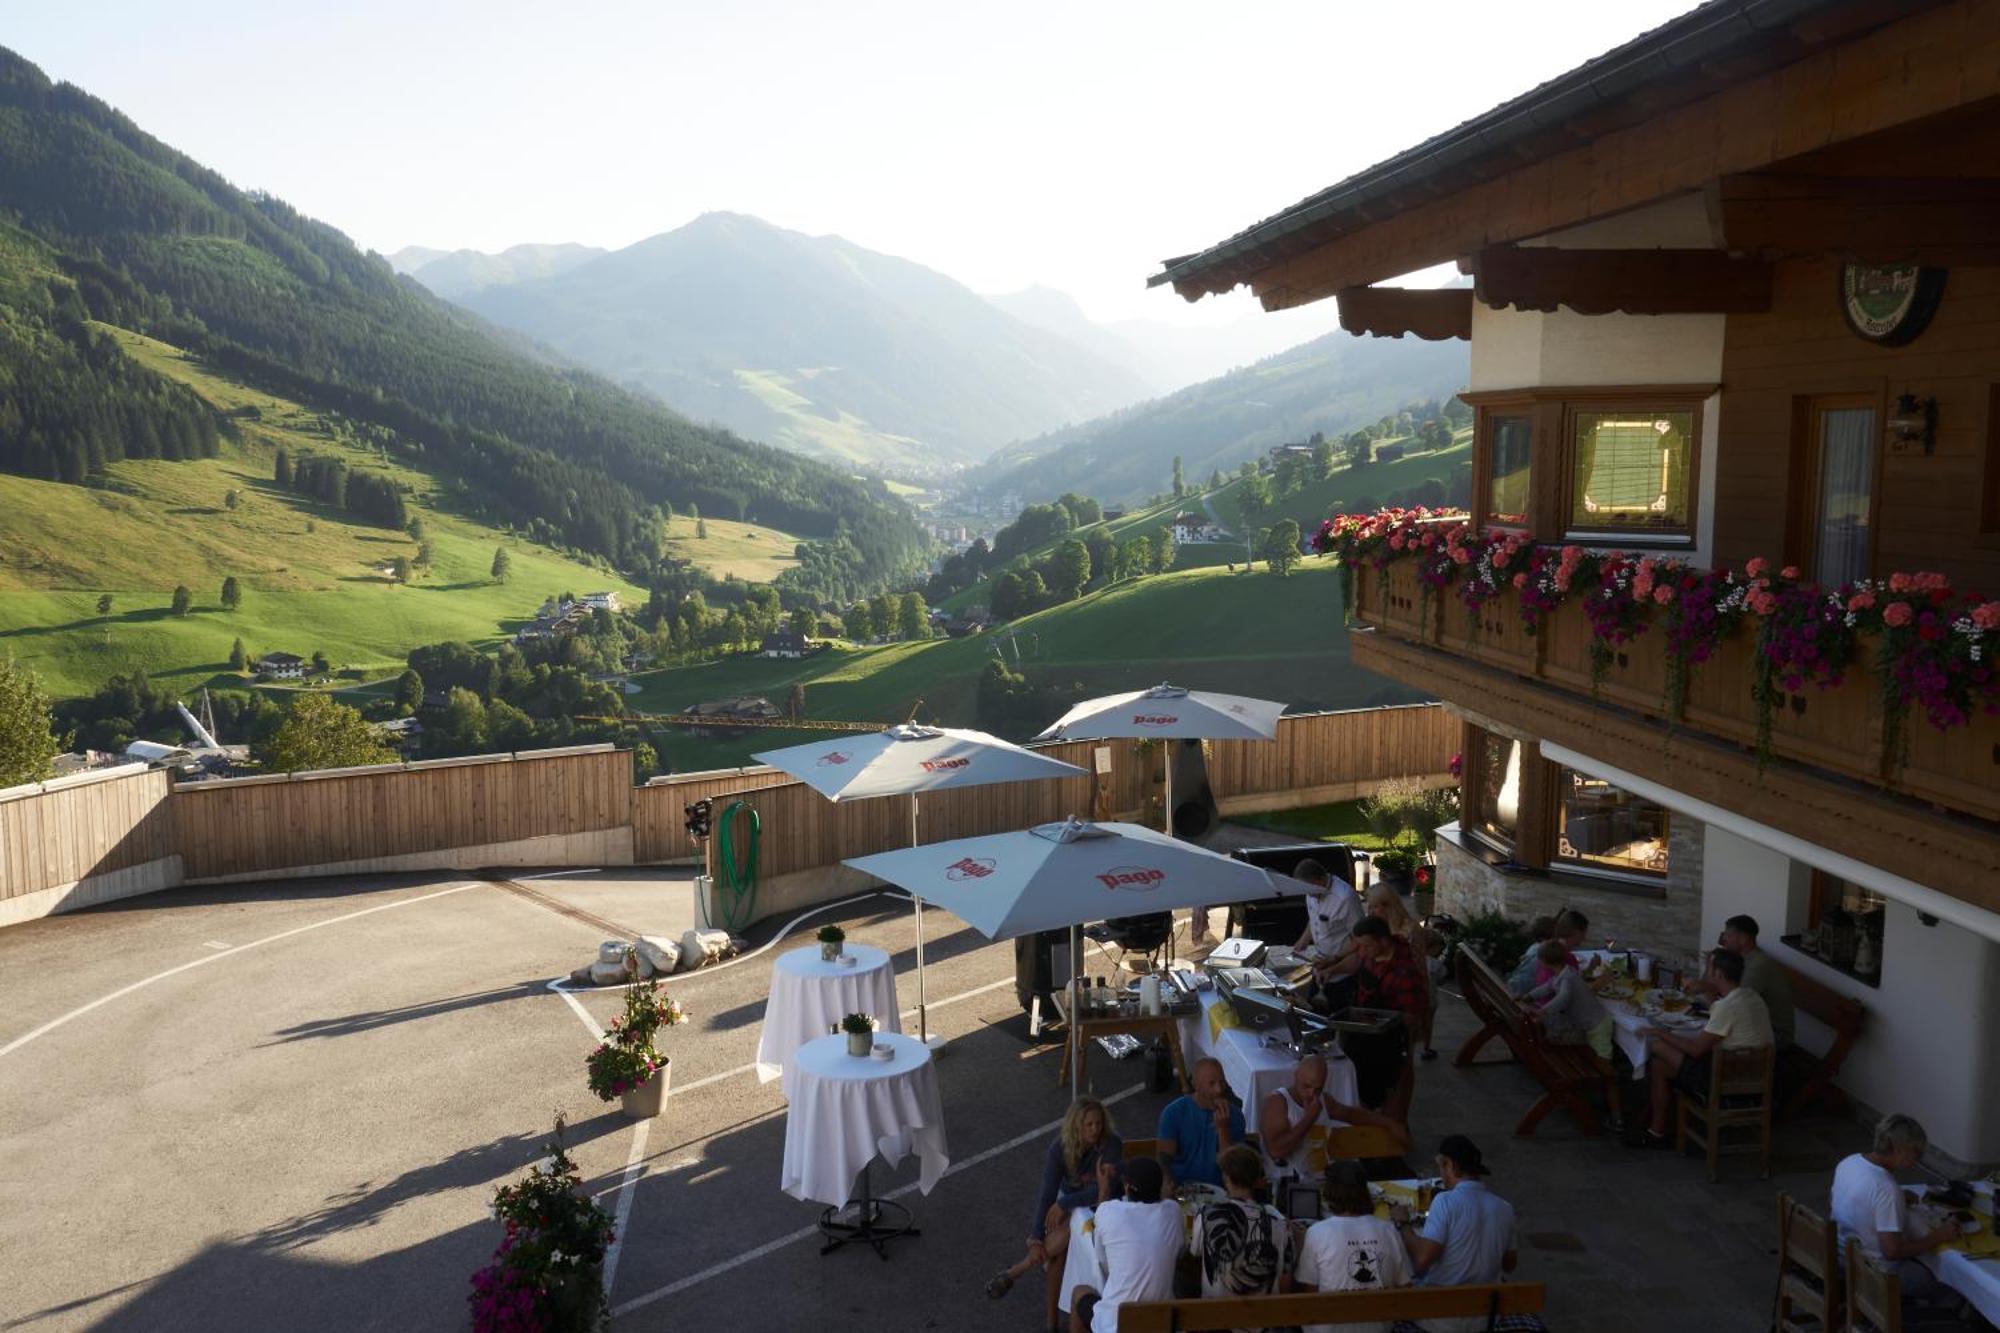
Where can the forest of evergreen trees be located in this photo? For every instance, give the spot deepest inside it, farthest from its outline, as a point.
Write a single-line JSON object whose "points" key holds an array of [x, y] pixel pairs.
{"points": [[371, 497], [148, 239]]}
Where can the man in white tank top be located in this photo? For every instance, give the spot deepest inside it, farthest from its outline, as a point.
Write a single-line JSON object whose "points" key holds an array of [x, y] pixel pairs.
{"points": [[1286, 1119]]}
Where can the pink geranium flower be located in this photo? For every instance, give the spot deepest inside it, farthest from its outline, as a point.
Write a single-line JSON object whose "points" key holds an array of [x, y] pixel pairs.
{"points": [[1789, 572], [1897, 613], [1763, 603], [1987, 615], [1861, 601], [1757, 566], [1663, 594]]}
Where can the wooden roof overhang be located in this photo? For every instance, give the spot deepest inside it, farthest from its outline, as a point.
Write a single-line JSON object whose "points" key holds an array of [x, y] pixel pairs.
{"points": [[1709, 102]]}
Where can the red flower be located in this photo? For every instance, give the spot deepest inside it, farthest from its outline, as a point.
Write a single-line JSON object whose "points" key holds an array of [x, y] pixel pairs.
{"points": [[1897, 614]]}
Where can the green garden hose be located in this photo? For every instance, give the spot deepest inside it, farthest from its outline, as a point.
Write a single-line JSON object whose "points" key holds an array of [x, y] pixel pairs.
{"points": [[736, 882]]}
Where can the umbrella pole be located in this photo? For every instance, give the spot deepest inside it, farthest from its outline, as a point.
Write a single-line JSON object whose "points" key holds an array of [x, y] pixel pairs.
{"points": [[1075, 1011], [923, 1019]]}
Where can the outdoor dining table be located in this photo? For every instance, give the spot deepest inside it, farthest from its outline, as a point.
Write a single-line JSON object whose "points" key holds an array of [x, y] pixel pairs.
{"points": [[1970, 1265], [1253, 1069], [848, 1109], [1628, 1024], [809, 996]]}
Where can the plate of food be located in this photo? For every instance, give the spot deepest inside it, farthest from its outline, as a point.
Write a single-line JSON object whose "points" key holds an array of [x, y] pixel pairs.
{"points": [[1671, 1001], [1618, 989]]}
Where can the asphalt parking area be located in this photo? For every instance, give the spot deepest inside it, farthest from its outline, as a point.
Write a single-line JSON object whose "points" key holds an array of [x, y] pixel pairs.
{"points": [[287, 1106]]}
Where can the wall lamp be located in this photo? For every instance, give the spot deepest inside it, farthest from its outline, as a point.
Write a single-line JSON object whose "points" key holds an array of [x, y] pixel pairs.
{"points": [[1915, 422]]}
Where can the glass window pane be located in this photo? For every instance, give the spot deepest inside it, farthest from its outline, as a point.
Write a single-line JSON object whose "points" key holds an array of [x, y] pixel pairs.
{"points": [[1609, 828], [1507, 491], [1631, 471], [1846, 487], [1497, 786]]}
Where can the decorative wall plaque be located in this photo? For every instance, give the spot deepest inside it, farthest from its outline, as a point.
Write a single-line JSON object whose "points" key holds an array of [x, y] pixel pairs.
{"points": [[1889, 304]]}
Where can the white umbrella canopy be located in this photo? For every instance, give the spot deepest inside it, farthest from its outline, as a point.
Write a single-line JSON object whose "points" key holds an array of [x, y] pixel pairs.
{"points": [[1171, 713], [1059, 875], [908, 758]]}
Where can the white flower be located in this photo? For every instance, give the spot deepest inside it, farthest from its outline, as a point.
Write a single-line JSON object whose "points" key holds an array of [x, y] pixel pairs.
{"points": [[547, 1166]]}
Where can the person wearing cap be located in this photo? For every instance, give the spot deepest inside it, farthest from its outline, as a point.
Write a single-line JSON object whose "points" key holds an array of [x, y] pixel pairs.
{"points": [[1468, 1236]]}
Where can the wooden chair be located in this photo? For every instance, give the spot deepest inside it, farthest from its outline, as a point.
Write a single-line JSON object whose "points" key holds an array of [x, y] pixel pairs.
{"points": [[1739, 1097], [1808, 1269], [1359, 1141], [1843, 1016], [1874, 1298], [1191, 1315]]}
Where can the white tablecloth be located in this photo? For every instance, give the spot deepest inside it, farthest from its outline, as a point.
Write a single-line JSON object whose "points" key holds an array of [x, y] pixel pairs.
{"points": [[845, 1109], [1254, 1070], [1976, 1279], [810, 995]]}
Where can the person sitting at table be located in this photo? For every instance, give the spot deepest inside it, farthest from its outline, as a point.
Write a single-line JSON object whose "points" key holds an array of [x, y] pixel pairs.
{"points": [[1761, 973], [1286, 1120], [1737, 1021], [1195, 1128], [1868, 1206], [1069, 1182], [1390, 978], [1385, 902], [1568, 1008], [1139, 1238], [1468, 1236], [1522, 979], [1331, 911], [1351, 1249], [1244, 1246], [1571, 927]]}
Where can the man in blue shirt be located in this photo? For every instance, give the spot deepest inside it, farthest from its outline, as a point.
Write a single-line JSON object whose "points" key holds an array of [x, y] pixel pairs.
{"points": [[1195, 1128], [1468, 1236]]}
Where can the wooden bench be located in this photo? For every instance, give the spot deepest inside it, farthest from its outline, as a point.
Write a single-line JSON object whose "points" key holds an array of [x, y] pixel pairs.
{"points": [[1564, 1069], [1331, 1307], [1815, 1074]]}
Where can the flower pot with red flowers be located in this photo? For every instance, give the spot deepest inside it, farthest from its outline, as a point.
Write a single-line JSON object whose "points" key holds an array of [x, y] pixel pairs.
{"points": [[625, 1063], [548, 1272]]}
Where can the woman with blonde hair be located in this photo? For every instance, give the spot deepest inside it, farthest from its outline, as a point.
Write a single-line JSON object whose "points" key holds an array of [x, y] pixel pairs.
{"points": [[1069, 1182], [1385, 902]]}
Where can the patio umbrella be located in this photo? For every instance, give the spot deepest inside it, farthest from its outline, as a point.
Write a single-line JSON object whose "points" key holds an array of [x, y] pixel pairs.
{"points": [[1168, 712], [1062, 875], [907, 760]]}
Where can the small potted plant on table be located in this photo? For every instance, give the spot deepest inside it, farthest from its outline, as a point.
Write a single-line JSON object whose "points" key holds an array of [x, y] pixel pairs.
{"points": [[626, 1064], [860, 1030], [831, 939]]}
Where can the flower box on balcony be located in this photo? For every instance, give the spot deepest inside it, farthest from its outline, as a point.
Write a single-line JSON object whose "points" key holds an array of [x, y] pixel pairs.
{"points": [[1635, 677]]}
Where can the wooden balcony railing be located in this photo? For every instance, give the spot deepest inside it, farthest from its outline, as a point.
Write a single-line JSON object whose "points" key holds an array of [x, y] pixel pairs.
{"points": [[1839, 729]]}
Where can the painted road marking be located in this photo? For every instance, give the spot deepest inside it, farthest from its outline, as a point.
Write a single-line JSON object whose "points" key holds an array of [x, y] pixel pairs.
{"points": [[141, 984]]}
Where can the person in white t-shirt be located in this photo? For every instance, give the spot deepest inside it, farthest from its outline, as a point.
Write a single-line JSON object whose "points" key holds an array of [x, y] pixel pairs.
{"points": [[1351, 1249], [1868, 1206], [1737, 1021], [1139, 1239]]}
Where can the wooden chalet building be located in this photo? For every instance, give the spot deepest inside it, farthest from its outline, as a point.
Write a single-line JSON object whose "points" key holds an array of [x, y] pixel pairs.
{"points": [[1735, 306]]}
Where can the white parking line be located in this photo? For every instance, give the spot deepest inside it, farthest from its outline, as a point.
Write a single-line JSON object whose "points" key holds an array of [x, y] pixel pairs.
{"points": [[123, 991], [1040, 1132], [627, 1186]]}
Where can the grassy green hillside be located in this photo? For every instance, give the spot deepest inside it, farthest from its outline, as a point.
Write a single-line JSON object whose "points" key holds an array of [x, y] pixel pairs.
{"points": [[751, 552], [312, 580], [1251, 634], [1347, 489]]}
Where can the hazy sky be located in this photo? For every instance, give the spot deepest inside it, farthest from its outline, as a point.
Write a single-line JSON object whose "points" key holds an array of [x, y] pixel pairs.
{"points": [[1004, 143]]}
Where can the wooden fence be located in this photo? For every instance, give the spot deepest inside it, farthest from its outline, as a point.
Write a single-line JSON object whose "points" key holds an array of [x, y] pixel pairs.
{"points": [[246, 826], [1317, 757], [56, 833], [524, 809]]}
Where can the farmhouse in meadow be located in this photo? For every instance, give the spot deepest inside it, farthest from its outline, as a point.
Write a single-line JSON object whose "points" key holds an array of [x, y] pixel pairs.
{"points": [[281, 666]]}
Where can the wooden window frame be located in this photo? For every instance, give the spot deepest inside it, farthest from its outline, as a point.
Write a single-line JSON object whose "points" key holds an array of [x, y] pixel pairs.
{"points": [[1801, 544], [1553, 409]]}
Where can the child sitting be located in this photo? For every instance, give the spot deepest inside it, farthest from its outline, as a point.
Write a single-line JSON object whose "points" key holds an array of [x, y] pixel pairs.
{"points": [[1570, 1010]]}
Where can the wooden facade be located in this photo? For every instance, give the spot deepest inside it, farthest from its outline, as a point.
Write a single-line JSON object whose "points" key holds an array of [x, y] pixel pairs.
{"points": [[1933, 510]]}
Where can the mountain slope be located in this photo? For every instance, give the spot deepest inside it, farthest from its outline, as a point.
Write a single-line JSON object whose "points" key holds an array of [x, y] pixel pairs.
{"points": [[813, 343], [131, 233], [1332, 384], [460, 273]]}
